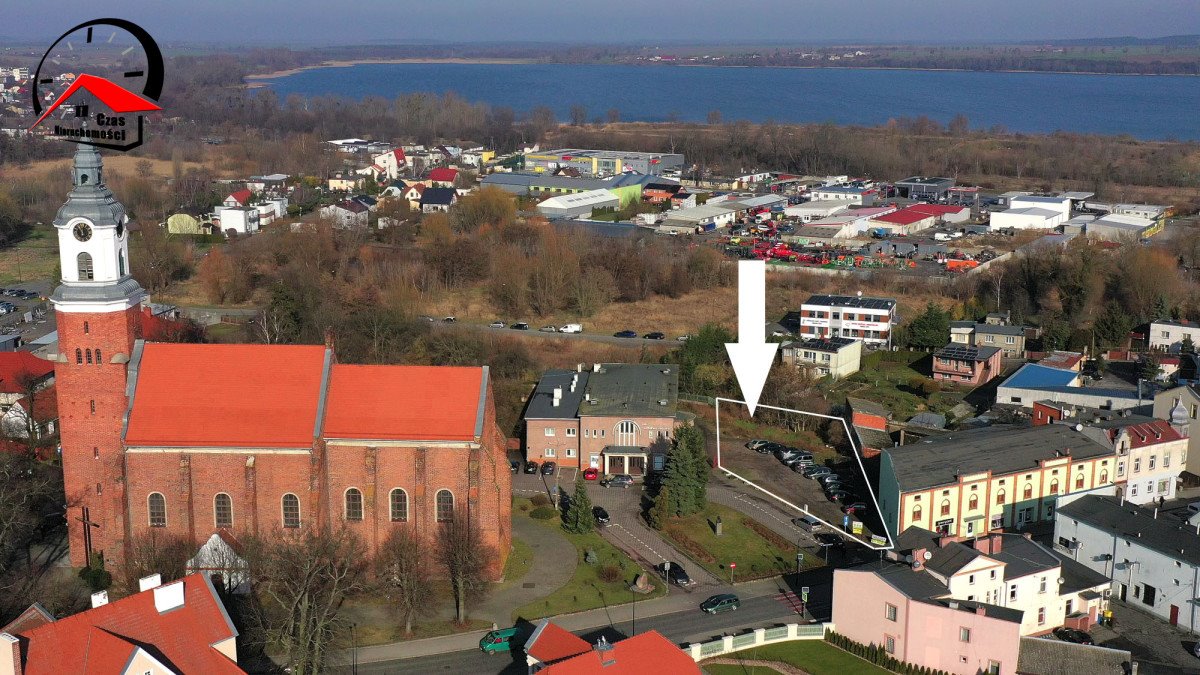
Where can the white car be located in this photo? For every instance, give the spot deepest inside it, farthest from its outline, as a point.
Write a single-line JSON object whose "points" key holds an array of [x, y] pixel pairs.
{"points": [[571, 328]]}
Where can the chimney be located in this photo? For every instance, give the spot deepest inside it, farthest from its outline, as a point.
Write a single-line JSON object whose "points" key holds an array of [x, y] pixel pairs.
{"points": [[605, 651], [953, 604], [99, 599], [919, 553], [152, 581], [579, 367], [595, 367], [997, 543], [168, 597], [10, 662]]}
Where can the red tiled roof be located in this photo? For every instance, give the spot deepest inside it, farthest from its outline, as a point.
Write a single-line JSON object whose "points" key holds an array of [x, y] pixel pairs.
{"points": [[403, 402], [937, 209], [399, 154], [647, 652], [101, 640], [35, 615], [213, 395], [906, 216], [1142, 435], [15, 365], [550, 643], [45, 405], [156, 327], [443, 174]]}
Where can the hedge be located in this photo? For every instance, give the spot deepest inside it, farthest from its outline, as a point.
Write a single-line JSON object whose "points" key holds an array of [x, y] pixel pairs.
{"points": [[877, 655]]}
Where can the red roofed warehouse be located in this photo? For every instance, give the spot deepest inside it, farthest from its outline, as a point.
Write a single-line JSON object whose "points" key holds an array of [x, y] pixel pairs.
{"points": [[179, 627], [188, 439]]}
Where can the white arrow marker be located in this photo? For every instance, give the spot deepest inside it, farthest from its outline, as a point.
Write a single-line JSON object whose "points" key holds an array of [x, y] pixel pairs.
{"points": [[752, 355]]}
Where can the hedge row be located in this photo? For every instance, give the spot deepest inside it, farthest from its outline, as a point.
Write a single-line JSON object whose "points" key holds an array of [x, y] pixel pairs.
{"points": [[877, 655]]}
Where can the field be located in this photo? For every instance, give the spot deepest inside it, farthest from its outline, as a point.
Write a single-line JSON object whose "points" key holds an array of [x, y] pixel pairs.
{"points": [[123, 164], [755, 555], [886, 381], [815, 657], [34, 258]]}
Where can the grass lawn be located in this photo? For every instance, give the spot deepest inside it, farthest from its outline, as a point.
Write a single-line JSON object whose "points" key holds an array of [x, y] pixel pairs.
{"points": [[756, 555], [816, 657], [225, 332], [377, 624], [34, 258], [729, 669], [381, 634], [586, 590], [520, 559], [886, 382]]}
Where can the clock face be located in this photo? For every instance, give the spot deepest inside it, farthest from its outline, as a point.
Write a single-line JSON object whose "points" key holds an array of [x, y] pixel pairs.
{"points": [[82, 231], [117, 50]]}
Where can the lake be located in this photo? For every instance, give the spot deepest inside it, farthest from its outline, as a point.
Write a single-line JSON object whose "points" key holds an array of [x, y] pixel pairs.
{"points": [[1147, 107]]}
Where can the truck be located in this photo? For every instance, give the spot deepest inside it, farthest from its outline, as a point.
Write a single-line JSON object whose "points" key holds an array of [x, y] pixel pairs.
{"points": [[880, 233]]}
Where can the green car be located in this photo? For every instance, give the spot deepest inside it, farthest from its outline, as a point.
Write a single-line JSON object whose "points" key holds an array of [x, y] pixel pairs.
{"points": [[497, 641], [721, 603]]}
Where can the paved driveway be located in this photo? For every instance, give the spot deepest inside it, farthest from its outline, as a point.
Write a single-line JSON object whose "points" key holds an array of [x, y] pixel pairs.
{"points": [[1158, 647]]}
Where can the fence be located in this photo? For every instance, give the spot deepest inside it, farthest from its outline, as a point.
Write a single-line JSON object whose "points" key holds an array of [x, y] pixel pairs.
{"points": [[697, 399], [757, 638]]}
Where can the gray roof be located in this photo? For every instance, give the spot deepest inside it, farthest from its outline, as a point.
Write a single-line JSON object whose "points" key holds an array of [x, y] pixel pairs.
{"points": [[925, 180], [941, 459], [996, 329], [961, 352], [951, 558], [541, 403], [927, 589], [90, 197], [1078, 577], [1048, 656], [1023, 557], [870, 407], [1136, 524], [632, 390], [524, 181], [929, 420], [851, 301]]}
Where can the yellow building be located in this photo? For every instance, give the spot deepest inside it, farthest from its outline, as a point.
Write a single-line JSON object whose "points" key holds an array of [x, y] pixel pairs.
{"points": [[965, 484]]}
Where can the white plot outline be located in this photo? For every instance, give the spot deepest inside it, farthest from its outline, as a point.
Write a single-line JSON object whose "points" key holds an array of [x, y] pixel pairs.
{"points": [[857, 457]]}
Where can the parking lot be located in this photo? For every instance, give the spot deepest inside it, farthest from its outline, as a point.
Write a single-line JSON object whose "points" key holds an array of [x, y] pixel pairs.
{"points": [[25, 314]]}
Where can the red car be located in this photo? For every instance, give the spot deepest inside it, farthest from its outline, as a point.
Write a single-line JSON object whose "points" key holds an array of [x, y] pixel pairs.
{"points": [[590, 474]]}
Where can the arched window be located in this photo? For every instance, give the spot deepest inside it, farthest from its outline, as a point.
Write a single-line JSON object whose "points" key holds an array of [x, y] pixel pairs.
{"points": [[78, 355], [223, 510], [1079, 482], [121, 262], [157, 506], [445, 506], [945, 507], [85, 267], [291, 511], [916, 513], [85, 328], [1028, 491], [98, 361], [399, 506], [1103, 477], [354, 504], [1054, 487], [627, 433], [89, 356], [973, 502]]}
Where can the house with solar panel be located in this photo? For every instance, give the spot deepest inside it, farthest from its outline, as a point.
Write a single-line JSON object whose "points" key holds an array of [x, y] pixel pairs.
{"points": [[966, 364]]}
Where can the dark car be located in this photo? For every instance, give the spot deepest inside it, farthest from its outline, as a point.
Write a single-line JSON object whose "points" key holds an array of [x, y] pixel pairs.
{"points": [[548, 468], [816, 471], [1072, 635], [674, 573], [625, 334], [856, 509], [831, 478], [622, 480], [841, 496], [830, 540], [721, 603], [531, 466], [600, 515], [655, 336], [520, 325], [515, 466]]}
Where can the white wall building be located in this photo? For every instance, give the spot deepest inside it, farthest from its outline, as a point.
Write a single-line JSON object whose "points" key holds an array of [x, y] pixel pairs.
{"points": [[1026, 218], [862, 318], [816, 210], [240, 219], [1150, 456], [1168, 335]]}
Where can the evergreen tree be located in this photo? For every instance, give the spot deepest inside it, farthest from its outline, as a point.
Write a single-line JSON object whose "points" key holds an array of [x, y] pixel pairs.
{"points": [[1160, 310], [679, 480], [930, 330], [691, 441], [1149, 369], [579, 518], [1187, 346], [660, 511], [1056, 334], [1112, 326]]}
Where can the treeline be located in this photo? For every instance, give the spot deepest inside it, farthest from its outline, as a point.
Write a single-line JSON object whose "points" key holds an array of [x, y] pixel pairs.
{"points": [[1110, 60]]}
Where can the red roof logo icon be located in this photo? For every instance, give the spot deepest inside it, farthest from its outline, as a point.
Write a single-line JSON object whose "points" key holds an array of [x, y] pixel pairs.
{"points": [[117, 98]]}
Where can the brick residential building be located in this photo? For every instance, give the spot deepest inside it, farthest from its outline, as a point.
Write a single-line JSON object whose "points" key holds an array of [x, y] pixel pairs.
{"points": [[966, 365], [615, 417], [187, 439]]}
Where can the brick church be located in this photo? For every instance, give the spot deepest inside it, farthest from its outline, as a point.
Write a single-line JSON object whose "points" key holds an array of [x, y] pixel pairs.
{"points": [[191, 439]]}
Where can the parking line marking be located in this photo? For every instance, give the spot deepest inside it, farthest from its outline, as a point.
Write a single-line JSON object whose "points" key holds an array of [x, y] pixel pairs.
{"points": [[635, 538]]}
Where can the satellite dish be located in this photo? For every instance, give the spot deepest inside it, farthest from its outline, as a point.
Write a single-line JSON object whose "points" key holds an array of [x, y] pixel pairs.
{"points": [[916, 565], [1078, 427], [927, 555], [1061, 581]]}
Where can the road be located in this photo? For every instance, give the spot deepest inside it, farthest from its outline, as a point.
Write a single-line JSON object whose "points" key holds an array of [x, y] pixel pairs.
{"points": [[533, 332], [679, 627]]}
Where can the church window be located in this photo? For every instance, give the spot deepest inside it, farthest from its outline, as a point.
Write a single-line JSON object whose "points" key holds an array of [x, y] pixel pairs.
{"points": [[96, 452], [223, 510], [354, 504], [86, 273], [121, 262], [445, 506], [89, 356], [399, 504], [158, 509], [92, 403], [98, 361], [85, 328], [78, 355], [291, 511]]}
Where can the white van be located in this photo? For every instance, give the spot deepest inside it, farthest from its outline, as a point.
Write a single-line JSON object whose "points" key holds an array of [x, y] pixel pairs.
{"points": [[941, 236], [808, 524], [571, 328]]}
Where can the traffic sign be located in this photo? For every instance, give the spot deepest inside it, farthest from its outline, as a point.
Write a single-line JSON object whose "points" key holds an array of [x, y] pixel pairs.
{"points": [[732, 566]]}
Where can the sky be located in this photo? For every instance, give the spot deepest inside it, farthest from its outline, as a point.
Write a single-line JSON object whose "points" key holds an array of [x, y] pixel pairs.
{"points": [[323, 22]]}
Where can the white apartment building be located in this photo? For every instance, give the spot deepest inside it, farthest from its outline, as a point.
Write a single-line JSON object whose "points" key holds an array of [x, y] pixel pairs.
{"points": [[868, 319], [1150, 456], [1168, 336]]}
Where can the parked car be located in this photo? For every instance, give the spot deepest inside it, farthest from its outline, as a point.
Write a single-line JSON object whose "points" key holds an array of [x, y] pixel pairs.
{"points": [[816, 471], [808, 524], [498, 641], [683, 338], [721, 603], [855, 509], [830, 540], [449, 319], [841, 496], [1073, 635], [571, 328], [621, 480], [497, 324], [625, 334], [655, 336], [548, 468], [831, 478], [674, 573], [428, 318], [520, 325], [591, 474], [548, 329], [515, 466], [600, 515], [756, 443], [531, 466]]}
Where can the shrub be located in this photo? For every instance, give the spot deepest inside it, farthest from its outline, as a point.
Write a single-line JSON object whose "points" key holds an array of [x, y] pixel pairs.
{"points": [[540, 500], [767, 533], [930, 387], [543, 513], [609, 574], [694, 548]]}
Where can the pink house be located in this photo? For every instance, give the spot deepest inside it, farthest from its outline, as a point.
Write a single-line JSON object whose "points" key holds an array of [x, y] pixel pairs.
{"points": [[891, 605], [966, 364]]}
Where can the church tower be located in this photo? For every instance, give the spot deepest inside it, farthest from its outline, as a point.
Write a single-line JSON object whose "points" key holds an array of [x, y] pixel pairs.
{"points": [[97, 308]]}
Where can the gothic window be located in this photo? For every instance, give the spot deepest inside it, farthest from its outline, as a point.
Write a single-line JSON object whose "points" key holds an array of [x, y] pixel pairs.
{"points": [[98, 361], [1000, 497], [399, 504], [85, 267], [78, 355], [89, 356], [85, 328], [916, 513], [354, 504], [445, 506], [627, 433], [291, 511], [1028, 492], [157, 506], [223, 510]]}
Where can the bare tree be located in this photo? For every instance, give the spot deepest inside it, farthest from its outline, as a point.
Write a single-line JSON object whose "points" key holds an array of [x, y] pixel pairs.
{"points": [[578, 115], [463, 555], [301, 580], [156, 552], [403, 571]]}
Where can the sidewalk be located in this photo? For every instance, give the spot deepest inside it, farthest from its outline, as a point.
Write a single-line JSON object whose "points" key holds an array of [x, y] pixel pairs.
{"points": [[591, 619], [546, 575]]}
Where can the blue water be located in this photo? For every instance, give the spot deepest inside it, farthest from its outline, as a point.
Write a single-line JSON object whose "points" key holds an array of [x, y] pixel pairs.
{"points": [[1148, 107]]}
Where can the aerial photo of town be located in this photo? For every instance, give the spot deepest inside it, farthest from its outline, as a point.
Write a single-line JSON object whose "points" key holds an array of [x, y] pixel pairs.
{"points": [[600, 339]]}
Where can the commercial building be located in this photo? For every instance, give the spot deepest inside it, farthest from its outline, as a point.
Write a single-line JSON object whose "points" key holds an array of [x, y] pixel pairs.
{"points": [[845, 193], [836, 357], [1121, 228], [1035, 382], [905, 221], [1026, 218], [816, 210], [571, 414], [867, 319], [962, 484], [926, 188], [966, 364], [629, 186], [599, 163], [703, 217], [1168, 336], [578, 204], [1151, 560]]}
